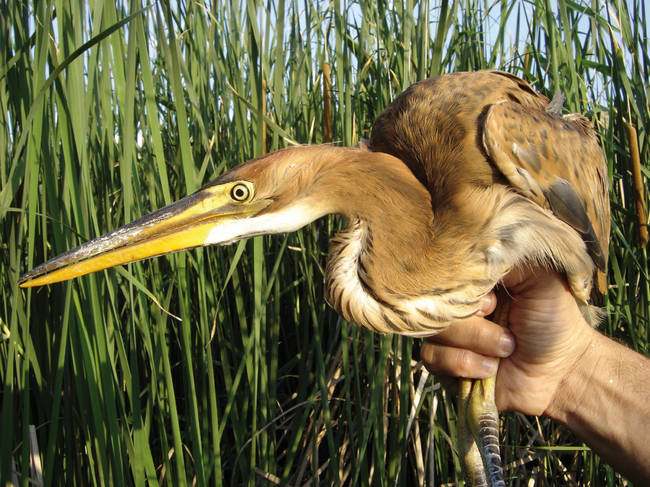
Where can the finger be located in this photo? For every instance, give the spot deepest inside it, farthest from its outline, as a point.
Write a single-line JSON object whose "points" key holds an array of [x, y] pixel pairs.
{"points": [[457, 362], [537, 283], [479, 335], [525, 277], [488, 303], [520, 276]]}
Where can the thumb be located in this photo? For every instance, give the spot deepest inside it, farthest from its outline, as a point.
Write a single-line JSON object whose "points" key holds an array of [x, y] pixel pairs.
{"points": [[524, 277]]}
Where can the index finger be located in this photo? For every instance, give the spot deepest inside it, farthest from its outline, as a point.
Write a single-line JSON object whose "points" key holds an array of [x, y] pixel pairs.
{"points": [[478, 335]]}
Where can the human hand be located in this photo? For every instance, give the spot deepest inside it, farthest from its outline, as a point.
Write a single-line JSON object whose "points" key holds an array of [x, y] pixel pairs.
{"points": [[545, 324]]}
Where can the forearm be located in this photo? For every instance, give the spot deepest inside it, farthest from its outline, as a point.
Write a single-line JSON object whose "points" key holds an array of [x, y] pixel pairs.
{"points": [[605, 400]]}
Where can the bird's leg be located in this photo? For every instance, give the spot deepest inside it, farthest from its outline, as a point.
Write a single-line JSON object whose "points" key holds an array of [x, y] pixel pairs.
{"points": [[483, 419], [479, 420], [468, 451]]}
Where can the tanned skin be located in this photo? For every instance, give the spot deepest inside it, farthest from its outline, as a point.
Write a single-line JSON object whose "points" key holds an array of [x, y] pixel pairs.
{"points": [[553, 363]]}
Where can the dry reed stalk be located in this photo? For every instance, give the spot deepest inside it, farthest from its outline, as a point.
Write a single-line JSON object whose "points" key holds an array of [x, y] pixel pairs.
{"points": [[637, 179]]}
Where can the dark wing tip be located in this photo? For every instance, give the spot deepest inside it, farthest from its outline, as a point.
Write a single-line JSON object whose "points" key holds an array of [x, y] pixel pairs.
{"points": [[567, 206]]}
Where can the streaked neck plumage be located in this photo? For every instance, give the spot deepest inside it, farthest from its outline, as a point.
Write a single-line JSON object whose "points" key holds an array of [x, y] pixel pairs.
{"points": [[403, 264], [384, 268]]}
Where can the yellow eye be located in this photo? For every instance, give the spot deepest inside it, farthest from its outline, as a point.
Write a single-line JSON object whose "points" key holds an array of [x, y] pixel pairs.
{"points": [[240, 192]]}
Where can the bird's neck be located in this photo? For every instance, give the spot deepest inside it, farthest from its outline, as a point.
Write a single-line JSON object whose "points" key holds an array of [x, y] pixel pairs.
{"points": [[384, 267], [386, 208]]}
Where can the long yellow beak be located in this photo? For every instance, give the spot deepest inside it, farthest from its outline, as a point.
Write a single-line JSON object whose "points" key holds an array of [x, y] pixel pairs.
{"points": [[216, 215]]}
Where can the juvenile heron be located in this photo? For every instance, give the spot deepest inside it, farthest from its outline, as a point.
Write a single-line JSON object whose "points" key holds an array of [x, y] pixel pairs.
{"points": [[468, 176]]}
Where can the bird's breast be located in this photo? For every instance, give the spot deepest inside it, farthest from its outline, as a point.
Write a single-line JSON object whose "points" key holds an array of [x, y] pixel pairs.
{"points": [[355, 291]]}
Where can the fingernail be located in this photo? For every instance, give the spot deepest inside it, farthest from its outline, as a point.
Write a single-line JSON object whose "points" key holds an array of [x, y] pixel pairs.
{"points": [[486, 304], [490, 366], [506, 344]]}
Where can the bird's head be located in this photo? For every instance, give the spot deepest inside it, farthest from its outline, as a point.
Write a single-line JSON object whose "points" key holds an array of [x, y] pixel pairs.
{"points": [[271, 194]]}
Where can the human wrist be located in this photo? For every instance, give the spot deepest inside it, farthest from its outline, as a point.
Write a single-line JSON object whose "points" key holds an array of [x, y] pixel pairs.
{"points": [[604, 402], [574, 386]]}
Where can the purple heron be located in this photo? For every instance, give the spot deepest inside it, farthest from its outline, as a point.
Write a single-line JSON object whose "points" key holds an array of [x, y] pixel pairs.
{"points": [[467, 176]]}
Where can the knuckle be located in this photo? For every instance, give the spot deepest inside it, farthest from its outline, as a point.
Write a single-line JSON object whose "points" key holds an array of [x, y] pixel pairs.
{"points": [[429, 355], [485, 338], [463, 363], [439, 359], [456, 362], [479, 335]]}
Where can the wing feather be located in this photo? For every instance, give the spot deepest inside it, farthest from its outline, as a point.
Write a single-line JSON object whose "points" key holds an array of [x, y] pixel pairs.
{"points": [[557, 162]]}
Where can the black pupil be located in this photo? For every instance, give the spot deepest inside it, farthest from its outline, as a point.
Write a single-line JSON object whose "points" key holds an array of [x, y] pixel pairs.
{"points": [[240, 193]]}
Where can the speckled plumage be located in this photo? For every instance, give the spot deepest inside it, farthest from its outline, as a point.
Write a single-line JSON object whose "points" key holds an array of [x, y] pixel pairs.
{"points": [[474, 139]]}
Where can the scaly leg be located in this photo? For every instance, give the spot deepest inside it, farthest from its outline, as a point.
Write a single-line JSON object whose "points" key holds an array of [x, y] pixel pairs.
{"points": [[468, 451], [483, 419], [478, 418]]}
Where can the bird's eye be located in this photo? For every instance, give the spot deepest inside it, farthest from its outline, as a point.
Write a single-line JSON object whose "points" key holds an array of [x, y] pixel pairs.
{"points": [[240, 192]]}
